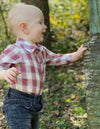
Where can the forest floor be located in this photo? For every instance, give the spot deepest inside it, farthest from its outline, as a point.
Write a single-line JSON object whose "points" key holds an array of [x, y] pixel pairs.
{"points": [[64, 98]]}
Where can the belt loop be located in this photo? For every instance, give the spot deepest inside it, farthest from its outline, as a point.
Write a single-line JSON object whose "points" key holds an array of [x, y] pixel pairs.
{"points": [[34, 100], [8, 91]]}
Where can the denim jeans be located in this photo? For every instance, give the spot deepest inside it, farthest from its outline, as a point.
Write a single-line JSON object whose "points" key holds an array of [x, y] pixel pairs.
{"points": [[21, 110]]}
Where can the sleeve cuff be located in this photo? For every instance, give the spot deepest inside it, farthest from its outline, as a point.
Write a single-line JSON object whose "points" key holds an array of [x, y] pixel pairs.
{"points": [[69, 59], [1, 68]]}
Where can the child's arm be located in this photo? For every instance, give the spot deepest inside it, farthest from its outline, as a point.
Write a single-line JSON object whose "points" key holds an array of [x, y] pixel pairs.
{"points": [[62, 59], [78, 54], [9, 75]]}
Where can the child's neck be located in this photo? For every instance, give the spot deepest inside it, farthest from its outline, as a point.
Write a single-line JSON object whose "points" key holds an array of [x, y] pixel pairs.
{"points": [[32, 42]]}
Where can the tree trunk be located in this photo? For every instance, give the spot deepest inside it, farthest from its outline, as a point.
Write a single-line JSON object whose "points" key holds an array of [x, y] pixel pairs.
{"points": [[43, 5], [92, 67]]}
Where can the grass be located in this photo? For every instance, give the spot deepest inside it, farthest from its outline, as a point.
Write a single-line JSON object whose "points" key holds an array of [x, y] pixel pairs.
{"points": [[64, 98]]}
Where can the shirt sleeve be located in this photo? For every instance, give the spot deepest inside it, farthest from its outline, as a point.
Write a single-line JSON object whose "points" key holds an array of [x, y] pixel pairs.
{"points": [[11, 55], [57, 59]]}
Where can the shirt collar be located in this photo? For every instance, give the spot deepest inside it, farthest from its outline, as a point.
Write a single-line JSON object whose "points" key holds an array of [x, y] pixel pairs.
{"points": [[28, 46]]}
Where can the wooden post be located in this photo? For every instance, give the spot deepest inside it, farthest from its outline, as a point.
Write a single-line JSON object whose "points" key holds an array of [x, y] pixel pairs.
{"points": [[92, 67]]}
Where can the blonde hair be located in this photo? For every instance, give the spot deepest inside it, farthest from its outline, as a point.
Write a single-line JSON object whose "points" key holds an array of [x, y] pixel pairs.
{"points": [[20, 13]]}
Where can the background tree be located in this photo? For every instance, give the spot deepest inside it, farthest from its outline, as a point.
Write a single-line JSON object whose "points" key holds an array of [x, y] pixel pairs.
{"points": [[92, 65], [43, 5], [5, 37]]}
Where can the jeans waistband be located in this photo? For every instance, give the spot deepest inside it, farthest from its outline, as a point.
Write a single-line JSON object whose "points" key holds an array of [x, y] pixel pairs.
{"points": [[21, 94]]}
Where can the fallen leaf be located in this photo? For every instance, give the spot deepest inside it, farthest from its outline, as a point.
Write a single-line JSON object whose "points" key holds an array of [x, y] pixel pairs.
{"points": [[77, 98]]}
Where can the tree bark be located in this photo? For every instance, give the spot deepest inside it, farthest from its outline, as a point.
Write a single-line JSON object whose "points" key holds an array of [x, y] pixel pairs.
{"points": [[92, 67], [43, 5]]}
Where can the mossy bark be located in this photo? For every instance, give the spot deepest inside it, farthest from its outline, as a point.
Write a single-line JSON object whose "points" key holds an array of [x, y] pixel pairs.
{"points": [[92, 67]]}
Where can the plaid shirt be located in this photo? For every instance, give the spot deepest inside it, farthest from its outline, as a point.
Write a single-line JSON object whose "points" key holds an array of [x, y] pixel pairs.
{"points": [[31, 61]]}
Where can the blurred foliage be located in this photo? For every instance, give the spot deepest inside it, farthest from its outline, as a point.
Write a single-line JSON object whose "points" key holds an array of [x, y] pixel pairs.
{"points": [[5, 35], [64, 99], [69, 23]]}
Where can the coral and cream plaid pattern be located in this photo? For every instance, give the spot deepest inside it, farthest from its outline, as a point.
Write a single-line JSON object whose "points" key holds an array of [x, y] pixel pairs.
{"points": [[31, 61]]}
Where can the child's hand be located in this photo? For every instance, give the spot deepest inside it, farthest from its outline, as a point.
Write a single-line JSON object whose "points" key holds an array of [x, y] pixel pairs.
{"points": [[10, 75], [79, 53]]}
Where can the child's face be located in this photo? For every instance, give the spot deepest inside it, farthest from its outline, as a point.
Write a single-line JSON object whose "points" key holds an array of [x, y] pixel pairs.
{"points": [[37, 28]]}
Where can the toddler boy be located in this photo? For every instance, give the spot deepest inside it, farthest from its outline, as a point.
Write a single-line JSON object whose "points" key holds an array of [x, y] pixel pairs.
{"points": [[23, 64]]}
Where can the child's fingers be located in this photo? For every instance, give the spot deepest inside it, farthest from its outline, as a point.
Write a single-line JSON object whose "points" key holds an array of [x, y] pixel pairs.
{"points": [[12, 73], [11, 77], [83, 48], [15, 71], [9, 81]]}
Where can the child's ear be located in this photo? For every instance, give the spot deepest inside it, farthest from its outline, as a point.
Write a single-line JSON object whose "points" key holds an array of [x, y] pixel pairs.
{"points": [[23, 28]]}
